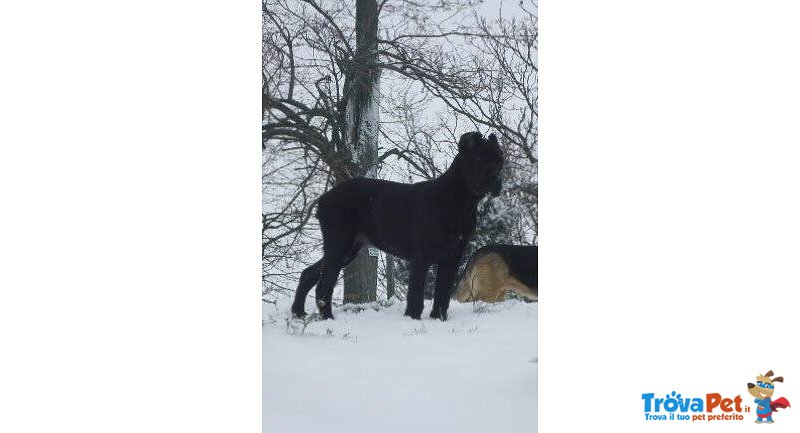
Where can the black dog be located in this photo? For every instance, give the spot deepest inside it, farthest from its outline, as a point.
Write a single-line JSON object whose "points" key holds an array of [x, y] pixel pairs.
{"points": [[426, 223]]}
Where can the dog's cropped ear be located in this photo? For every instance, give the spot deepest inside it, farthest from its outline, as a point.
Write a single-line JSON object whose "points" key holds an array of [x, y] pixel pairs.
{"points": [[468, 140], [778, 379], [493, 139], [769, 373]]}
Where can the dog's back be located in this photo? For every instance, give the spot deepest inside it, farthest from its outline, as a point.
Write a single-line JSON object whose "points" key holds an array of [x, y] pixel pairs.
{"points": [[494, 269]]}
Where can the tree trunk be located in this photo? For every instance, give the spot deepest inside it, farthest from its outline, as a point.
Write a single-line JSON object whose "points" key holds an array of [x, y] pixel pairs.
{"points": [[361, 282], [361, 276]]}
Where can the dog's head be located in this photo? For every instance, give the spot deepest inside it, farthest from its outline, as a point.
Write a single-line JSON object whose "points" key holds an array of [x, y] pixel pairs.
{"points": [[764, 386], [482, 161]]}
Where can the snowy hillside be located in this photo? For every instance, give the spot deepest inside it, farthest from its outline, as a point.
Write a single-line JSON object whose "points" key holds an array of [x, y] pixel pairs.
{"points": [[376, 371]]}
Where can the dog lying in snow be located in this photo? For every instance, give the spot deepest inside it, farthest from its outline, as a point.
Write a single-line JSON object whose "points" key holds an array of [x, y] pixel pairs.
{"points": [[494, 269]]}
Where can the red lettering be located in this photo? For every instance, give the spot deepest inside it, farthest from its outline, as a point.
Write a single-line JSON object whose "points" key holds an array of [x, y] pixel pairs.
{"points": [[712, 401]]}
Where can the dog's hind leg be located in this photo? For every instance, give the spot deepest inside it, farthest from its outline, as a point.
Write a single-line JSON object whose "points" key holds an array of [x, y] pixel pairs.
{"points": [[308, 278], [353, 253], [339, 251], [330, 273]]}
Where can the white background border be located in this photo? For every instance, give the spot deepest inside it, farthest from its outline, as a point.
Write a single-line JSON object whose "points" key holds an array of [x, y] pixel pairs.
{"points": [[130, 187], [129, 173], [669, 223]]}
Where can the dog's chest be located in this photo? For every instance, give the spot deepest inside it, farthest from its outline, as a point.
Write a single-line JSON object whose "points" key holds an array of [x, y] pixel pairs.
{"points": [[466, 220], [455, 225]]}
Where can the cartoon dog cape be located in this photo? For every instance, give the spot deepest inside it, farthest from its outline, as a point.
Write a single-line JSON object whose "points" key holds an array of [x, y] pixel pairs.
{"points": [[780, 403]]}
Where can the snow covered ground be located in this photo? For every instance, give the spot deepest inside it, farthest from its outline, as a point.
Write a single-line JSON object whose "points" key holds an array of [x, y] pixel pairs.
{"points": [[376, 371]]}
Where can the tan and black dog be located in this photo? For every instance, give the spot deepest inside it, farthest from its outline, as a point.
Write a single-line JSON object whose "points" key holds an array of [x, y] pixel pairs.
{"points": [[763, 390], [495, 269]]}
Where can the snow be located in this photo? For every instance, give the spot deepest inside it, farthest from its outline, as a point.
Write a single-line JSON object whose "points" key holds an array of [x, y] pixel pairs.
{"points": [[375, 370]]}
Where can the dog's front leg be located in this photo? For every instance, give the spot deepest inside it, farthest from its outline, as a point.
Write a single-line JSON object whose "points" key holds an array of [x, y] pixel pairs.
{"points": [[416, 289], [445, 277]]}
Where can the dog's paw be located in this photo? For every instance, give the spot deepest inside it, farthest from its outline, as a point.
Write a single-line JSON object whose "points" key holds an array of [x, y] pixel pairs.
{"points": [[439, 313], [298, 312], [413, 315], [436, 314], [325, 309]]}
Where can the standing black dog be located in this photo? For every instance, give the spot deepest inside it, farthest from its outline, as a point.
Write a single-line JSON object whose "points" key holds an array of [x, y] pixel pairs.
{"points": [[426, 223]]}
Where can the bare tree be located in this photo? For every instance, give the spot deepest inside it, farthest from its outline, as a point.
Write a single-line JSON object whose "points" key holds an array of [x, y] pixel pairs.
{"points": [[443, 70], [363, 90]]}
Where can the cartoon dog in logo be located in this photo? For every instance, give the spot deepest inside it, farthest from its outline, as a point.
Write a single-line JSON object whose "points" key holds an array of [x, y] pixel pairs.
{"points": [[762, 390]]}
